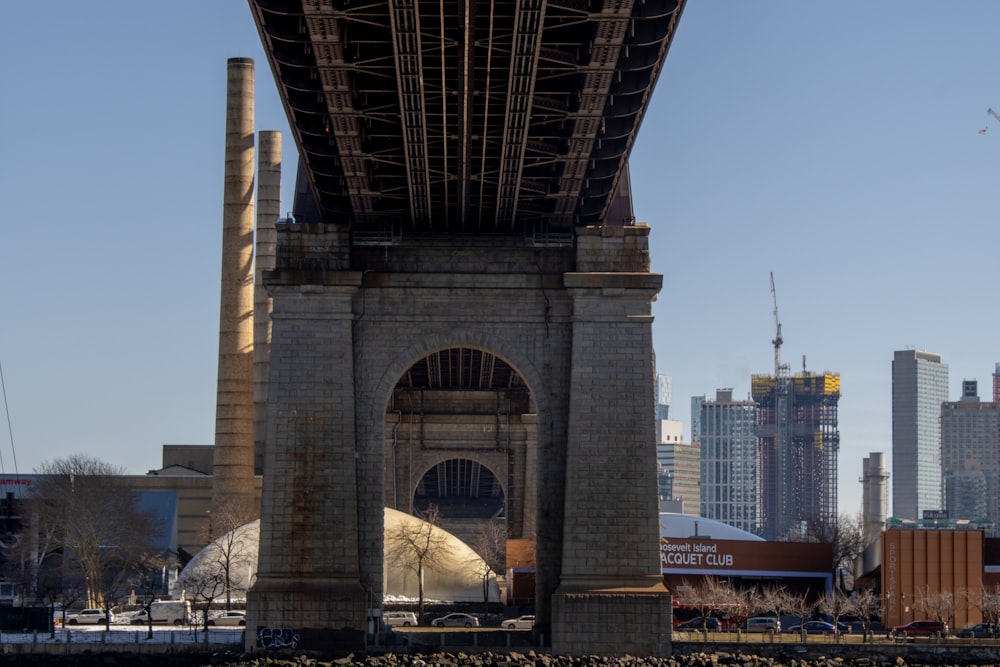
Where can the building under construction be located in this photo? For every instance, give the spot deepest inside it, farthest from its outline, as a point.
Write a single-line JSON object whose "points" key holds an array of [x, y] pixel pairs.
{"points": [[797, 443]]}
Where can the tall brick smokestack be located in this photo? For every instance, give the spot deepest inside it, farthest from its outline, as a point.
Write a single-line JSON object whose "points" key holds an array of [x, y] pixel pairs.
{"points": [[233, 460], [268, 210]]}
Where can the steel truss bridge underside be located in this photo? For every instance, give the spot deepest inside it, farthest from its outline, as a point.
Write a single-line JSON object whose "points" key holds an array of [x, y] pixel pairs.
{"points": [[465, 117]]}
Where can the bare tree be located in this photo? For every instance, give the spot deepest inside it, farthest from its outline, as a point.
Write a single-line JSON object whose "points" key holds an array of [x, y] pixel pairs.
{"points": [[205, 586], [848, 545], [48, 589], [771, 600], [146, 578], [232, 550], [836, 605], [846, 534], [418, 546], [988, 602], [28, 553], [938, 606], [490, 544], [866, 604], [96, 521], [711, 596], [70, 591], [750, 600], [798, 605]]}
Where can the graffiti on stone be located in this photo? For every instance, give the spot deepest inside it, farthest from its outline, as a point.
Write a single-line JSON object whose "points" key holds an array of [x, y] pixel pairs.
{"points": [[273, 638]]}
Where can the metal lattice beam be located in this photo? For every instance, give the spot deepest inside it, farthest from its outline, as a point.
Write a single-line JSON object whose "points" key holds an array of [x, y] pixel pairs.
{"points": [[459, 116]]}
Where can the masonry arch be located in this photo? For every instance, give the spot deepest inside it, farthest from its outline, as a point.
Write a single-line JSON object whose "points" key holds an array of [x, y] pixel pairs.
{"points": [[461, 433], [353, 326], [461, 487]]}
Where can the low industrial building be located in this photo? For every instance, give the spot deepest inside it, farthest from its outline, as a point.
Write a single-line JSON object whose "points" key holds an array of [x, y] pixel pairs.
{"points": [[915, 566], [692, 548]]}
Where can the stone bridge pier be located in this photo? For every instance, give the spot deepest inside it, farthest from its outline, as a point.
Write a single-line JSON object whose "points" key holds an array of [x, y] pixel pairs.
{"points": [[534, 363]]}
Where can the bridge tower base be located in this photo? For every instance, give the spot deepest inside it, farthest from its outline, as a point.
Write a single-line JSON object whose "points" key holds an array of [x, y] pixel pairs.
{"points": [[611, 623], [348, 323]]}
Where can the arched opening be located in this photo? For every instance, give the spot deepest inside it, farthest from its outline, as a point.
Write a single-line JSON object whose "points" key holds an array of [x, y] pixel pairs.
{"points": [[461, 489], [461, 436]]}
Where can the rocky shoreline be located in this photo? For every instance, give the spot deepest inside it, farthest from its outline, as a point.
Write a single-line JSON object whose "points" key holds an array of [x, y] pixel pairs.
{"points": [[506, 659]]}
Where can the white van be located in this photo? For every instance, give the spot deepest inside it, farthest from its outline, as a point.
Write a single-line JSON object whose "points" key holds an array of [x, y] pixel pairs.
{"points": [[171, 612], [404, 618], [763, 624]]}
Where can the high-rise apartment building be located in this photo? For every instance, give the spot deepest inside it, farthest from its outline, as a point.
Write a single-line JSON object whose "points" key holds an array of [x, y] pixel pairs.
{"points": [[970, 454], [668, 430], [677, 463], [680, 464], [696, 402], [663, 392], [919, 387], [728, 444], [799, 442]]}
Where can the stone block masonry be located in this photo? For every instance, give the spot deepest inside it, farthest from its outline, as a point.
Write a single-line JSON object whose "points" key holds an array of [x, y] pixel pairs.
{"points": [[349, 323]]}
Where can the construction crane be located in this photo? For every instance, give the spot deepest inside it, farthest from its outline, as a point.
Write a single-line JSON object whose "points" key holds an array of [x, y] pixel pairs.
{"points": [[993, 113], [777, 330]]}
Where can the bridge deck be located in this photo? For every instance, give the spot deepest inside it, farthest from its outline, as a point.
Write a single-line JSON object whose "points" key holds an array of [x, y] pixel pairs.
{"points": [[494, 116]]}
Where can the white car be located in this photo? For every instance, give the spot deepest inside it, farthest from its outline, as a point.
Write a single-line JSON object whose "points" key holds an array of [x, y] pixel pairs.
{"points": [[763, 624], [519, 623], [404, 618], [229, 618], [456, 620], [88, 616]]}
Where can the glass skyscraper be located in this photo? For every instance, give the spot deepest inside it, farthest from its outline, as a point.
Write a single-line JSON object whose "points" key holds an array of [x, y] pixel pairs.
{"points": [[919, 387], [728, 440]]}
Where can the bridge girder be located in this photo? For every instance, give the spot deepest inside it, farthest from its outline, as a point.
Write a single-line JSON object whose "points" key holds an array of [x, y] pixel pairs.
{"points": [[478, 116]]}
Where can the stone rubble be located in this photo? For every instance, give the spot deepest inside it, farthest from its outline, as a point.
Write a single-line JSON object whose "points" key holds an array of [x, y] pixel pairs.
{"points": [[491, 659]]}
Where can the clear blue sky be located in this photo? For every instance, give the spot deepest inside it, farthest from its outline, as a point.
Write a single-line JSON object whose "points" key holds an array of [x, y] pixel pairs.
{"points": [[834, 144]]}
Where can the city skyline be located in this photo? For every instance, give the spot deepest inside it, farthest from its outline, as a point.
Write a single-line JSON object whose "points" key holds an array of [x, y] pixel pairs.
{"points": [[856, 174]]}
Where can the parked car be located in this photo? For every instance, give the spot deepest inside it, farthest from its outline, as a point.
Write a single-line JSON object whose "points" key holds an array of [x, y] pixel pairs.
{"points": [[456, 620], [88, 616], [519, 623], [921, 629], [404, 618], [696, 623], [176, 612], [229, 618], [844, 627], [813, 628], [763, 624], [980, 630]]}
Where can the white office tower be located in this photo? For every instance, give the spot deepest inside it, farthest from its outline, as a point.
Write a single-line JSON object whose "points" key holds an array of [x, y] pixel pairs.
{"points": [[919, 387]]}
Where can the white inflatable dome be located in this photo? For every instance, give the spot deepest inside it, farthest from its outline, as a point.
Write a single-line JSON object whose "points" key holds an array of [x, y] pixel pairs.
{"points": [[686, 525], [456, 580]]}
